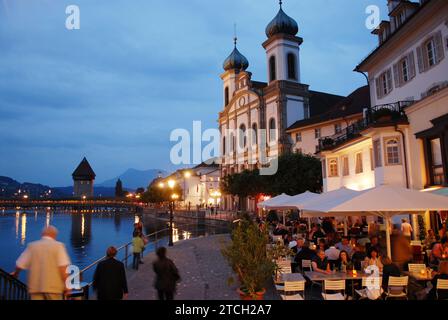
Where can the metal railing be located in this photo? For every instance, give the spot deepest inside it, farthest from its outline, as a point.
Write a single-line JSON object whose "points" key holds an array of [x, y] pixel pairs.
{"points": [[385, 114], [12, 288]]}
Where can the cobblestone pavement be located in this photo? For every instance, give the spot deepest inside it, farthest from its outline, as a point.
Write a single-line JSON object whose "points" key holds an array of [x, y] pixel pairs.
{"points": [[203, 270]]}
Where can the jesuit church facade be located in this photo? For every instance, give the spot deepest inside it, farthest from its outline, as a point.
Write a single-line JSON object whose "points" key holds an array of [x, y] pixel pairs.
{"points": [[255, 115]]}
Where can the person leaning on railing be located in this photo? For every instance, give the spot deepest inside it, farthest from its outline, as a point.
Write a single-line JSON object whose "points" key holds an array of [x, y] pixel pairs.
{"points": [[46, 261]]}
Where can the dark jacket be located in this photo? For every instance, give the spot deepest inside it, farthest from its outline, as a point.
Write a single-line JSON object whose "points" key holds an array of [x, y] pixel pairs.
{"points": [[389, 270], [109, 280], [166, 275], [305, 253]]}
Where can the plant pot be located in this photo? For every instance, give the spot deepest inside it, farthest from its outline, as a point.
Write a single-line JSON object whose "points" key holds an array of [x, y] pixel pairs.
{"points": [[247, 297]]}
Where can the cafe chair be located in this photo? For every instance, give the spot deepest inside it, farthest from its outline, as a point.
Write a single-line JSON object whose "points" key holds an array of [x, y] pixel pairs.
{"points": [[370, 288], [284, 268], [277, 239], [334, 285], [306, 264], [397, 287], [294, 290], [416, 243], [416, 267], [441, 285]]}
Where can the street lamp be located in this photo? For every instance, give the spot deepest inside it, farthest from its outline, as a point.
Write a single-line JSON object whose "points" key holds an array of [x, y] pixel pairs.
{"points": [[174, 197]]}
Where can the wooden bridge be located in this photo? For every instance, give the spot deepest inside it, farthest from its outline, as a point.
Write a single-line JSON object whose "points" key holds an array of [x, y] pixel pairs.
{"points": [[100, 205]]}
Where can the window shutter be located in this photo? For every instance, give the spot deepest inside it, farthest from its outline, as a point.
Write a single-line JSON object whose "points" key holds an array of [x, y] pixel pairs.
{"points": [[438, 41], [389, 80], [411, 61], [396, 76], [421, 67], [378, 88]]}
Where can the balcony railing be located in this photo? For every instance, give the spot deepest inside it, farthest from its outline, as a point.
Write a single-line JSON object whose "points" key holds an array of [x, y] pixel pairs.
{"points": [[380, 115]]}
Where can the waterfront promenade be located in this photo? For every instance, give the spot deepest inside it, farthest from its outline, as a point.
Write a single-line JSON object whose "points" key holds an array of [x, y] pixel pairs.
{"points": [[203, 270]]}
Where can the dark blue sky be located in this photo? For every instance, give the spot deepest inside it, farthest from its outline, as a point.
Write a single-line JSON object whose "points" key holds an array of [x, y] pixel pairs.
{"points": [[137, 69]]}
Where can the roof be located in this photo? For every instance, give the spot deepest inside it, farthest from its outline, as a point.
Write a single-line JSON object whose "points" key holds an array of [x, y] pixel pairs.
{"points": [[350, 105], [84, 171], [359, 67], [320, 102]]}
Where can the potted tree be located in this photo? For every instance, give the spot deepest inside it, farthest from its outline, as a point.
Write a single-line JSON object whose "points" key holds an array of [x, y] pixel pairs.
{"points": [[246, 254]]}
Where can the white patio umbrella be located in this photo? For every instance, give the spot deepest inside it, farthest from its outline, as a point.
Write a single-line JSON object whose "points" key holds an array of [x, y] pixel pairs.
{"points": [[274, 203], [384, 201], [297, 201], [271, 203]]}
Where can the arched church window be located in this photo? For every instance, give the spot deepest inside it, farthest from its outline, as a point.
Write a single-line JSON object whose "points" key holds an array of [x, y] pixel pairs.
{"points": [[292, 67], [242, 136], [224, 146], [226, 96], [272, 69], [254, 134], [272, 130]]}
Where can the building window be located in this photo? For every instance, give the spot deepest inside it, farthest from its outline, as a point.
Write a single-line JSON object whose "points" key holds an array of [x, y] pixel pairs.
{"points": [[317, 133], [359, 165], [272, 130], [404, 70], [377, 153], [254, 134], [437, 172], [372, 166], [232, 143], [242, 137], [292, 70], [384, 84], [272, 69], [345, 166], [324, 169], [337, 128], [224, 146], [299, 137], [431, 52], [333, 168], [226, 96], [392, 152]]}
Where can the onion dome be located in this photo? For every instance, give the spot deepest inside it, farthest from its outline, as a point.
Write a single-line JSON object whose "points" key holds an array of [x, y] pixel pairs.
{"points": [[236, 61], [282, 23]]}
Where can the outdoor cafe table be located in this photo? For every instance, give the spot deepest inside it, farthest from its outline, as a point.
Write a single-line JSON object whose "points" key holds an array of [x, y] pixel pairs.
{"points": [[420, 277], [292, 277], [321, 277]]}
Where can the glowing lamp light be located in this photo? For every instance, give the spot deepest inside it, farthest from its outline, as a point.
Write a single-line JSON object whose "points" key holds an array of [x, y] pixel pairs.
{"points": [[171, 183], [187, 174], [174, 196], [25, 197], [161, 185], [355, 273]]}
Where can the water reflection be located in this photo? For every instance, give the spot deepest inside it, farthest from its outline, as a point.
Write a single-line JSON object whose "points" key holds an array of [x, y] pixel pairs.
{"points": [[117, 221], [17, 224], [81, 230], [48, 218], [23, 229]]}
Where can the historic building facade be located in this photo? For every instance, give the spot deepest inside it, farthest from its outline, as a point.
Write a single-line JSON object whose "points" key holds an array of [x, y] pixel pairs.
{"points": [[256, 115], [402, 139]]}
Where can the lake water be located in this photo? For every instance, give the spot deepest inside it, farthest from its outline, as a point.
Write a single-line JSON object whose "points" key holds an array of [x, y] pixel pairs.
{"points": [[86, 235]]}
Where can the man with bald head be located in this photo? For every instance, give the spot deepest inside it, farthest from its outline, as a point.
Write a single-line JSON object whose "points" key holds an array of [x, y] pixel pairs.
{"points": [[46, 261]]}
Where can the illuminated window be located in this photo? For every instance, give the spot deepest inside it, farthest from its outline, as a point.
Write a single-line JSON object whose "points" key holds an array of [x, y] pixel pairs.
{"points": [[345, 166], [242, 136], [254, 134], [359, 165], [333, 168], [392, 152], [377, 153]]}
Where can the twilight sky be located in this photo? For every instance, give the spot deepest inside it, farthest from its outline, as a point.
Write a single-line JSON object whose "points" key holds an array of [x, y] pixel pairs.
{"points": [[115, 89]]}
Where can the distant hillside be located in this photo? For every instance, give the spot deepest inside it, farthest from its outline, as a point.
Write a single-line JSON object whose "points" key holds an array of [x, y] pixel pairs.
{"points": [[10, 188], [133, 179]]}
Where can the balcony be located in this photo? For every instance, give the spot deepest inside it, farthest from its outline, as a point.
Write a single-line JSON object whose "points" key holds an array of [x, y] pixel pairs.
{"points": [[376, 116]]}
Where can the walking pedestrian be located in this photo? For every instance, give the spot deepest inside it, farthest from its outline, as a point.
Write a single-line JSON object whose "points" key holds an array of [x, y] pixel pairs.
{"points": [[46, 261], [137, 248], [109, 280], [167, 275]]}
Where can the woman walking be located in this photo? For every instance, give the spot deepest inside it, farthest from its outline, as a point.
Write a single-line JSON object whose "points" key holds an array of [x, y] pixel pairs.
{"points": [[167, 275]]}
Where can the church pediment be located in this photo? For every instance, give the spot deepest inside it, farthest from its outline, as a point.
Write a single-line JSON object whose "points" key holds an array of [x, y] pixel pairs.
{"points": [[241, 100]]}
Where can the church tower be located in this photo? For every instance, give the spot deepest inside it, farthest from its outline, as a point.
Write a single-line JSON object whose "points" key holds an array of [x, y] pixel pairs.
{"points": [[83, 178], [282, 48]]}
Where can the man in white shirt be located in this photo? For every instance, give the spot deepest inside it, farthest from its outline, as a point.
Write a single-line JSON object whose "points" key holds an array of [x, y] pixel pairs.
{"points": [[46, 261], [406, 229], [332, 254]]}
